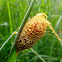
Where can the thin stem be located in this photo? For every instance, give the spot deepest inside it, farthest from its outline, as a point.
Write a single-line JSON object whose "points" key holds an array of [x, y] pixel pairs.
{"points": [[38, 55], [55, 33], [9, 38], [23, 23]]}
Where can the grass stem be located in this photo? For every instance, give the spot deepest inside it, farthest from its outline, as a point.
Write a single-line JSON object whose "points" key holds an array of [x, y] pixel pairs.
{"points": [[38, 55]]}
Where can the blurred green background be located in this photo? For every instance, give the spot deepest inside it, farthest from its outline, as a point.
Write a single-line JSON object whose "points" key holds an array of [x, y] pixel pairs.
{"points": [[11, 16]]}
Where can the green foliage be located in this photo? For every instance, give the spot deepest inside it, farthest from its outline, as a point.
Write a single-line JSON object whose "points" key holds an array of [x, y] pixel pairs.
{"points": [[49, 46], [12, 57]]}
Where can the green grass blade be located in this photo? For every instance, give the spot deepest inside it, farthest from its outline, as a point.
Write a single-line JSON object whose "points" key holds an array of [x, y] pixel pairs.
{"points": [[10, 21], [38, 55], [13, 48], [12, 57], [23, 22], [58, 22], [9, 13]]}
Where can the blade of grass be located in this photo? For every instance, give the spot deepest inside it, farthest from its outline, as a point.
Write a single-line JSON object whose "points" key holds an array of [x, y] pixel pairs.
{"points": [[12, 57], [58, 22], [13, 48], [23, 22], [8, 39], [57, 25], [45, 57], [9, 14], [38, 55]]}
